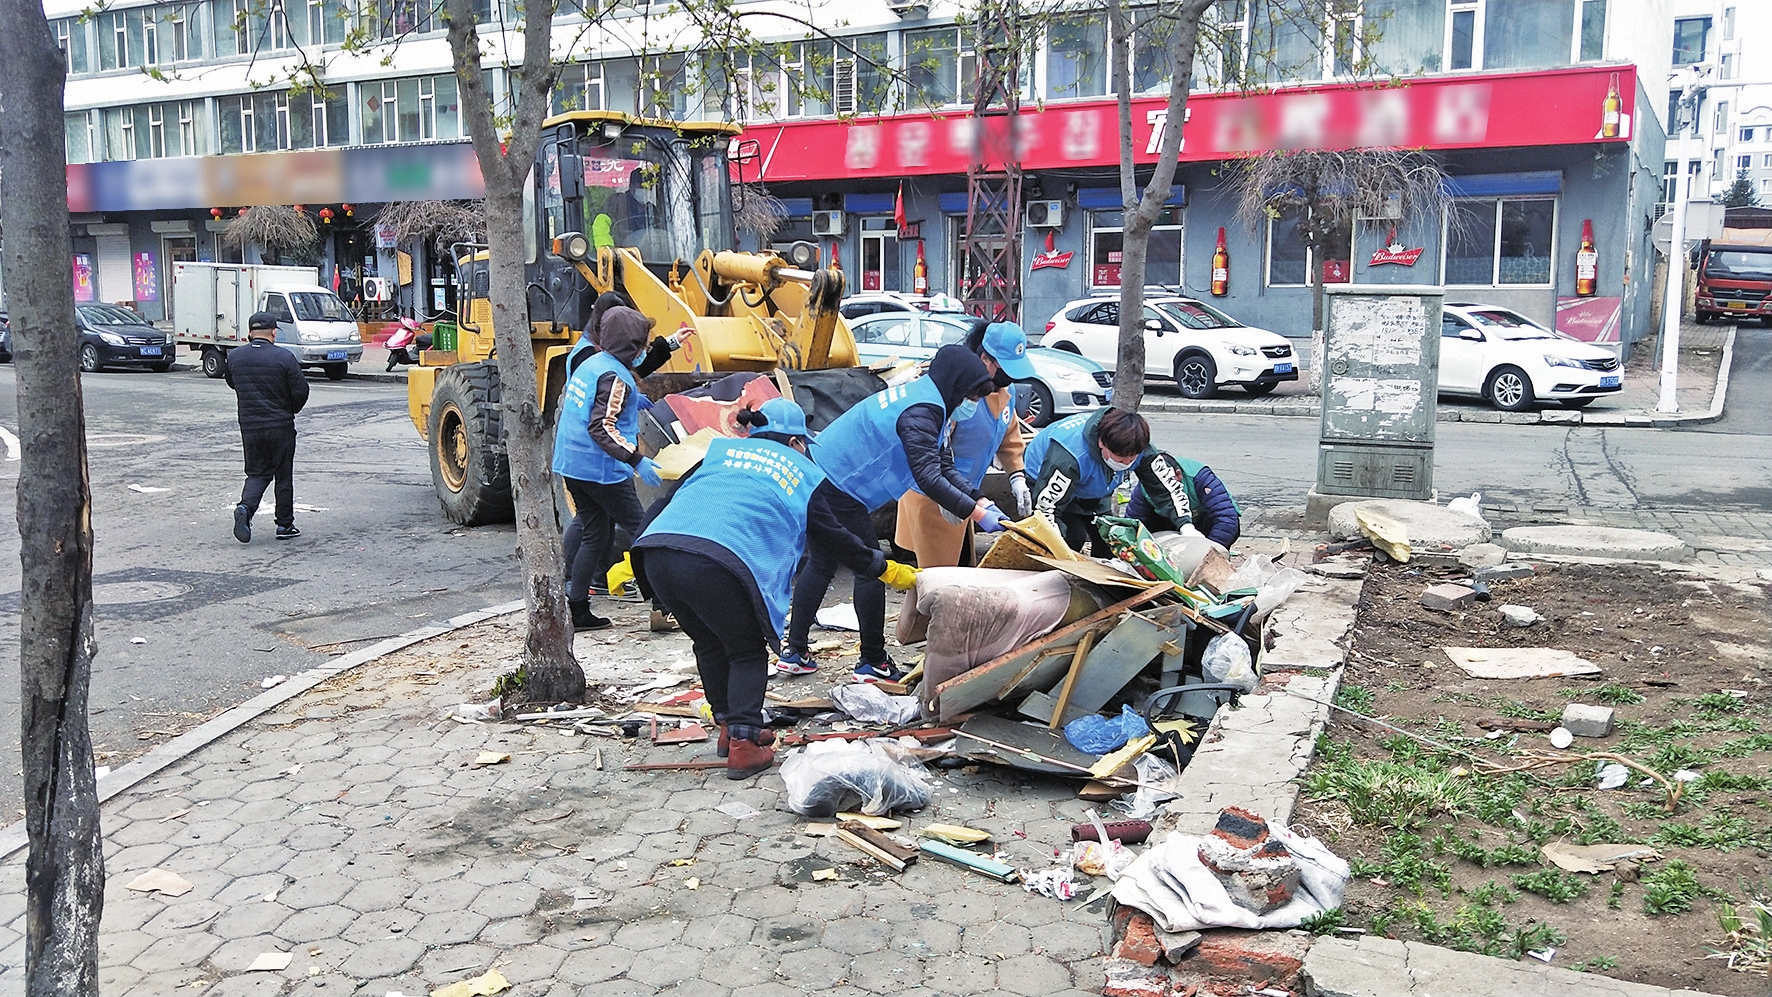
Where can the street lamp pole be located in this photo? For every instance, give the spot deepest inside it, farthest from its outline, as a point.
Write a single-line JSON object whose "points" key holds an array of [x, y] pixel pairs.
{"points": [[1674, 296]]}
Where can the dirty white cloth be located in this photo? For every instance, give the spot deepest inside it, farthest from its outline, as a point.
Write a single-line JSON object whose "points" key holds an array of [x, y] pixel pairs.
{"points": [[1169, 883], [972, 615], [870, 705]]}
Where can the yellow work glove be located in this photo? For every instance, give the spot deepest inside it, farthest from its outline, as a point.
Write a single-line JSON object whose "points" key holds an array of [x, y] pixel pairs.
{"points": [[899, 576]]}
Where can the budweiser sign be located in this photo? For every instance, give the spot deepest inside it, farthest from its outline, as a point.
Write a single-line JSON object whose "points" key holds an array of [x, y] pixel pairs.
{"points": [[1393, 252], [1050, 259]]}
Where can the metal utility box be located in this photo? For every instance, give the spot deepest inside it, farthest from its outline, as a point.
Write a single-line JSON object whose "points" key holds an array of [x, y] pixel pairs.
{"points": [[1381, 363]]}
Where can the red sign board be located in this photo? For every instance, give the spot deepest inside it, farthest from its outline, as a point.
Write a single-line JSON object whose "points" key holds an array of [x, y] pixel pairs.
{"points": [[1591, 320], [1490, 110], [1060, 261]]}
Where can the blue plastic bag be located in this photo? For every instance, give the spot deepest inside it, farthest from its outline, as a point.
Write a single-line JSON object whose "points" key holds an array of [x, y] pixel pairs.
{"points": [[1099, 735]]}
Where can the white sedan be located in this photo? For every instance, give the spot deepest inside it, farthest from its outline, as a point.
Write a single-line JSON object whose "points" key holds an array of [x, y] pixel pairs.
{"points": [[1202, 348], [1505, 357]]}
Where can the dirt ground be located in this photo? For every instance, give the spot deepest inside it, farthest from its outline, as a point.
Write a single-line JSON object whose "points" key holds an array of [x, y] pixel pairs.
{"points": [[1446, 848]]}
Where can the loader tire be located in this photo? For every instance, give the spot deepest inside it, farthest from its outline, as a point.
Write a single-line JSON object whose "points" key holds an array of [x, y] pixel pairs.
{"points": [[468, 463]]}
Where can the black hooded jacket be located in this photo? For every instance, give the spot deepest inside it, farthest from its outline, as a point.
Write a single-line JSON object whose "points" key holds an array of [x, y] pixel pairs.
{"points": [[268, 385], [957, 373]]}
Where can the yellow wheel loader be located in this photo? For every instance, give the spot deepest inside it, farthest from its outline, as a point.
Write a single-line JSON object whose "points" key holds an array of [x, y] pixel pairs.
{"points": [[641, 207]]}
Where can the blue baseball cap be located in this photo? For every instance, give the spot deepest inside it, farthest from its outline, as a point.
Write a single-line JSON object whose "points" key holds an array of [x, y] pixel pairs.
{"points": [[1008, 345], [784, 417]]}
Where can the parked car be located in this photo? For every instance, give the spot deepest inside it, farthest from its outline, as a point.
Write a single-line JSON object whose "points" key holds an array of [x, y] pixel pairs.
{"points": [[5, 339], [114, 336], [1064, 383], [1505, 357], [875, 302], [1199, 347]]}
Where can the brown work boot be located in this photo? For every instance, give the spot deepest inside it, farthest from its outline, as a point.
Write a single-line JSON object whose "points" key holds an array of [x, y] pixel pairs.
{"points": [[662, 622], [724, 746], [749, 751]]}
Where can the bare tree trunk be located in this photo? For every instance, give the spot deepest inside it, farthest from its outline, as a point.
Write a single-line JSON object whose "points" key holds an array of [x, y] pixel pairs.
{"points": [[1135, 239], [1120, 52], [551, 673], [65, 871]]}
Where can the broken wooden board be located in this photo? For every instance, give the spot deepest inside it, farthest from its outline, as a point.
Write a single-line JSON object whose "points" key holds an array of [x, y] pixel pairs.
{"points": [[1214, 572], [980, 685], [1099, 573], [1049, 744], [875, 845], [1519, 662], [1114, 662]]}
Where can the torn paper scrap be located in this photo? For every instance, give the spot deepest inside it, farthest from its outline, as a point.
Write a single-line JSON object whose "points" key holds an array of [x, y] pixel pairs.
{"points": [[160, 881], [271, 962]]}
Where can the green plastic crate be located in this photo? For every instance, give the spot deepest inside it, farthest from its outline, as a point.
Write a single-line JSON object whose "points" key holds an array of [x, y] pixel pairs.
{"points": [[443, 336]]}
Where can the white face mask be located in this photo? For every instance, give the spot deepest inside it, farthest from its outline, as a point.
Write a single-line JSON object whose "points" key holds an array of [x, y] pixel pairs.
{"points": [[1116, 465]]}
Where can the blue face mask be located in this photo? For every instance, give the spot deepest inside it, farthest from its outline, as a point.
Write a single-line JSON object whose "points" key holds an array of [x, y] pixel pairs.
{"points": [[637, 361], [965, 410]]}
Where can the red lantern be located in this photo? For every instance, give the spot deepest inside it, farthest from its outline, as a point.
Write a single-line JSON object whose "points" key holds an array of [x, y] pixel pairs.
{"points": [[326, 216], [299, 209], [242, 212], [349, 211], [215, 213]]}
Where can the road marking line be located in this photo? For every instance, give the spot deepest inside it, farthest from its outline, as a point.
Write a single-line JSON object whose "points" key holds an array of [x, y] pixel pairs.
{"points": [[11, 442]]}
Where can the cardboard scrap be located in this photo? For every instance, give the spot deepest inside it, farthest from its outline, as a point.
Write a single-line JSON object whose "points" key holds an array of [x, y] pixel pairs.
{"points": [[1110, 763], [679, 459], [955, 834], [273, 962], [489, 982], [1519, 662], [1595, 858], [490, 758], [876, 823], [169, 884], [819, 875]]}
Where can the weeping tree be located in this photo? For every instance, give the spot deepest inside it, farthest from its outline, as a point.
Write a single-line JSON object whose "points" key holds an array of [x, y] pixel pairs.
{"points": [[65, 869], [442, 223], [1327, 191]]}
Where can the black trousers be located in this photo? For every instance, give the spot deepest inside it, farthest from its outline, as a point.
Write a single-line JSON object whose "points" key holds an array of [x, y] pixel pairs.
{"points": [[814, 580], [715, 608], [270, 456], [601, 511], [1076, 523]]}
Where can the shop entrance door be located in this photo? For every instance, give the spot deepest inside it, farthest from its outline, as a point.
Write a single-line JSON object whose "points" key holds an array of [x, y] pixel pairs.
{"points": [[174, 249], [880, 256]]}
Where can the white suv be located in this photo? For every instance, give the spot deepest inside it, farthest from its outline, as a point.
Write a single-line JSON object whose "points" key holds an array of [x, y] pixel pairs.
{"points": [[1200, 347]]}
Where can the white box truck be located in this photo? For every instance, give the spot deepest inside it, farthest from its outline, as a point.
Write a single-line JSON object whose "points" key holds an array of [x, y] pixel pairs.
{"points": [[212, 303]]}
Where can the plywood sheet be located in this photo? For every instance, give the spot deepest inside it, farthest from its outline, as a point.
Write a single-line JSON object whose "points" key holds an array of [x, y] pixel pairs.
{"points": [[1519, 662]]}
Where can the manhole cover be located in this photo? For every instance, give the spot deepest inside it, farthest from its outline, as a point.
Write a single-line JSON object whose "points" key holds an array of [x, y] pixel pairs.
{"points": [[121, 593], [112, 441]]}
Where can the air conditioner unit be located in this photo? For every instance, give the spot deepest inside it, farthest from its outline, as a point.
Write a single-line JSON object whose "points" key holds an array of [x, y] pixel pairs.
{"points": [[827, 223], [909, 8], [1045, 214]]}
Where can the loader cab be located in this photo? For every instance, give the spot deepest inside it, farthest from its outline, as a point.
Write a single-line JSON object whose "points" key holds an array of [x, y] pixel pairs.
{"points": [[663, 189]]}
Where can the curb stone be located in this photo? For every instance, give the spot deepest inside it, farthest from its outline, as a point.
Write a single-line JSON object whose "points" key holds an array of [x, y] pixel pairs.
{"points": [[15, 837]]}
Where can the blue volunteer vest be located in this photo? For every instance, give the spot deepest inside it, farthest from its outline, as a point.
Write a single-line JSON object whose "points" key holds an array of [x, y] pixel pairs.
{"points": [[861, 452], [976, 440], [576, 455], [1096, 480], [750, 497]]}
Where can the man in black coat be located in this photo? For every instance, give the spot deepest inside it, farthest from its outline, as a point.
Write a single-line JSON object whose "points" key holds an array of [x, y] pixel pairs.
{"points": [[270, 388]]}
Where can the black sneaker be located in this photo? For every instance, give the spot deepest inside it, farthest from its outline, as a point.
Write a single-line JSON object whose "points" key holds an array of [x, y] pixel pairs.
{"points": [[584, 619], [288, 532], [243, 524]]}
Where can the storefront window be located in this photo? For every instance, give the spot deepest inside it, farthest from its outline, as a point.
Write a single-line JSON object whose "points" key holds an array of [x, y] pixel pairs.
{"points": [[1290, 262], [1076, 57], [1286, 41], [1107, 243], [1527, 34], [1500, 242]]}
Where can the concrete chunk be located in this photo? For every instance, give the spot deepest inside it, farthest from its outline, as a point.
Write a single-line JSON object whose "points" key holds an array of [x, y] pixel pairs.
{"points": [[1448, 597], [1519, 616], [1483, 555], [1595, 541], [1583, 720], [1505, 572], [1429, 525], [1177, 944]]}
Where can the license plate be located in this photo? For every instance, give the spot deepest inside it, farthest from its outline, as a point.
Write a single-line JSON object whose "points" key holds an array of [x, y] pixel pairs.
{"points": [[1282, 368], [1609, 381], [150, 351], [335, 354], [1737, 304]]}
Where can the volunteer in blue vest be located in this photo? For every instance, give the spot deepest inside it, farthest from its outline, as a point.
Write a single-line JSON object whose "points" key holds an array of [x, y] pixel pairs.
{"points": [[720, 555], [657, 355], [1204, 503], [1077, 463], [875, 452], [992, 434], [597, 452]]}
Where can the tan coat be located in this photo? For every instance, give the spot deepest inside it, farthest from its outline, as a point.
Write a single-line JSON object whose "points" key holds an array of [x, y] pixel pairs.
{"points": [[921, 526]]}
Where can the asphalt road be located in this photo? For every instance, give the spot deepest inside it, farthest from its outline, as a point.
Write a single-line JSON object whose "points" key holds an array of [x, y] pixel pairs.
{"points": [[216, 618]]}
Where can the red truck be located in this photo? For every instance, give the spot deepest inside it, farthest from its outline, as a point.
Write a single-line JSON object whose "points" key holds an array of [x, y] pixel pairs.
{"points": [[1734, 281]]}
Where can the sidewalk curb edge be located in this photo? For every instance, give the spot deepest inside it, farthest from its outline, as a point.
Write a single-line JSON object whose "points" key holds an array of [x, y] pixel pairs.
{"points": [[14, 837]]}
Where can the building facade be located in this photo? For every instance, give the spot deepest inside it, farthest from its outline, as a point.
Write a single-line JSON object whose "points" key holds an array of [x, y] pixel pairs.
{"points": [[1546, 114], [1733, 117]]}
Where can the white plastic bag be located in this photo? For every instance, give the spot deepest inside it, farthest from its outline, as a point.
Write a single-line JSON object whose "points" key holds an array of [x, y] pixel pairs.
{"points": [[827, 777], [1153, 773], [868, 704], [1227, 660], [1276, 590], [1251, 574]]}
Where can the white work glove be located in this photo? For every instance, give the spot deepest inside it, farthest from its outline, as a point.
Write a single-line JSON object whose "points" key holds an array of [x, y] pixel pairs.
{"points": [[1023, 495]]}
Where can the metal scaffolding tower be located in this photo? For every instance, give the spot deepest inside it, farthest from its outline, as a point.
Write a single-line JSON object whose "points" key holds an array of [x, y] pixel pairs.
{"points": [[990, 264]]}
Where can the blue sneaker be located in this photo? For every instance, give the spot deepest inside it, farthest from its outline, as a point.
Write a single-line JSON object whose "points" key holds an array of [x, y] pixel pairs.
{"points": [[885, 671], [794, 662]]}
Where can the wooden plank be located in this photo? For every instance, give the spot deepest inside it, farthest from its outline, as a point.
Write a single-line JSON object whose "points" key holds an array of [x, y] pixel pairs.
{"points": [[1100, 574], [1113, 663], [875, 845], [1070, 678], [971, 860], [978, 686], [1044, 658], [1050, 745]]}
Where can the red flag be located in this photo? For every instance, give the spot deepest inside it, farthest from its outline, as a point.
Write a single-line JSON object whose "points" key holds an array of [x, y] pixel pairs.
{"points": [[898, 209]]}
